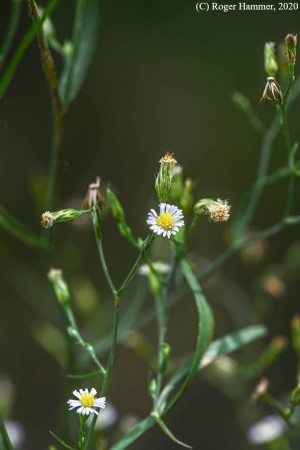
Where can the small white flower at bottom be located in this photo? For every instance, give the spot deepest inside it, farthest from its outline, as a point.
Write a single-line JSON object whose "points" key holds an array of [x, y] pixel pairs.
{"points": [[86, 402], [167, 222]]}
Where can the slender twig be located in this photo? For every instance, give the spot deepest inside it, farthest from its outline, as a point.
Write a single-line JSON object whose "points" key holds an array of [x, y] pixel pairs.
{"points": [[24, 44], [58, 112]]}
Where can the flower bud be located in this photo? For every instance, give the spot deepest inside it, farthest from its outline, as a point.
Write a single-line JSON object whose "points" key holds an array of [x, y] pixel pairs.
{"points": [[152, 388], [48, 27], [295, 329], [271, 66], [187, 197], [272, 92], [115, 206], [166, 351], [295, 396], [215, 210], [63, 215], [164, 177], [177, 183], [60, 286], [290, 48]]}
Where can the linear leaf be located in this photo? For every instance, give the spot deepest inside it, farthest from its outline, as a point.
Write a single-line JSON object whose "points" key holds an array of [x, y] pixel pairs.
{"points": [[14, 227], [63, 443], [5, 437], [84, 40]]}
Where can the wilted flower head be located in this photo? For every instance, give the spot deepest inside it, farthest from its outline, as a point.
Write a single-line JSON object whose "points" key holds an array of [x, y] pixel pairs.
{"points": [[272, 91], [164, 177], [93, 196], [49, 218], [60, 286], [167, 222], [87, 402], [215, 210], [271, 65]]}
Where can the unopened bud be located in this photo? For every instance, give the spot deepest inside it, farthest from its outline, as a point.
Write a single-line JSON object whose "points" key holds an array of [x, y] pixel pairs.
{"points": [[177, 184], [187, 197], [272, 92], [60, 286], [215, 210], [295, 329], [290, 48], [93, 196], [166, 351], [67, 49], [115, 206], [50, 218], [260, 390], [295, 396], [164, 177], [48, 27], [271, 66], [152, 388]]}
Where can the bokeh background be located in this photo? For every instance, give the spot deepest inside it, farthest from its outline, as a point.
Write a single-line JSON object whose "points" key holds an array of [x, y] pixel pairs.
{"points": [[162, 79]]}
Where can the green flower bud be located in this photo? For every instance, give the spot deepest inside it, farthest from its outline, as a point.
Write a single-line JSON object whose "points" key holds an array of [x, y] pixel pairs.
{"points": [[271, 66], [164, 177], [295, 329], [295, 396], [152, 388], [60, 287], [177, 184], [166, 351], [215, 210], [63, 215], [187, 197], [115, 206]]}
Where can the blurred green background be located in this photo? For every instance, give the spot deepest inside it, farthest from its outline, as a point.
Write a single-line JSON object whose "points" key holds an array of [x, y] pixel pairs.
{"points": [[161, 80]]}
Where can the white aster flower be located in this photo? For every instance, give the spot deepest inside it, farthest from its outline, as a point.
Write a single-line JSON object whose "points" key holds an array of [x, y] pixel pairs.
{"points": [[266, 430], [86, 402], [167, 222], [159, 266]]}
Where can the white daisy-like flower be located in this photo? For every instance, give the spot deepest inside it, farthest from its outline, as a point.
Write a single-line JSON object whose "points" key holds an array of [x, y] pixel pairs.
{"points": [[167, 222], [87, 402], [266, 430], [159, 266]]}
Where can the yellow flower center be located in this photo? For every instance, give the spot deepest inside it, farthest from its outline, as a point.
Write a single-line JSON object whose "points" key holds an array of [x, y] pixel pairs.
{"points": [[87, 400], [165, 221]]}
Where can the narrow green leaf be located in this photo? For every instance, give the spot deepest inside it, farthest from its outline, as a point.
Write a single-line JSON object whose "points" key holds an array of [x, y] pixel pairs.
{"points": [[85, 375], [166, 430], [12, 226], [16, 7], [134, 434], [223, 346], [205, 331], [24, 44], [232, 342], [5, 437], [63, 443], [84, 40]]}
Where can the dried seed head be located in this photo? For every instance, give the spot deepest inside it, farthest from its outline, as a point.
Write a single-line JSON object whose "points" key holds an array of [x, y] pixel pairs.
{"points": [[49, 218], [272, 92], [215, 210], [290, 48], [93, 196]]}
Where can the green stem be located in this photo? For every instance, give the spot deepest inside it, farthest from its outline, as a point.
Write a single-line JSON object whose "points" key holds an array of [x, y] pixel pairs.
{"points": [[88, 347], [11, 29], [137, 263]]}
